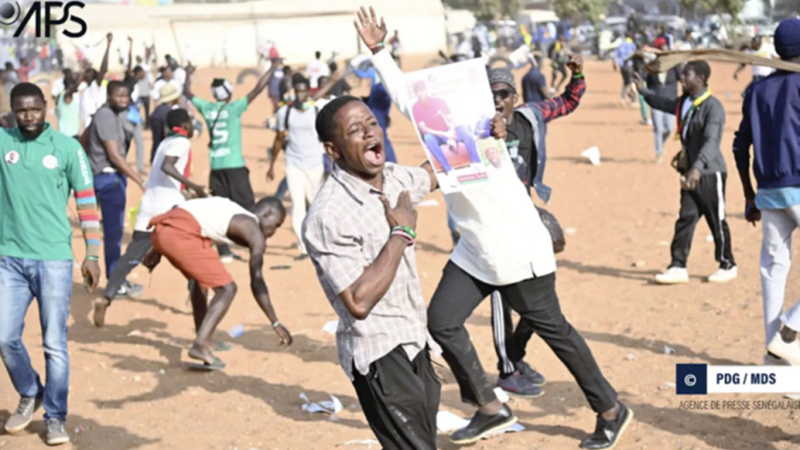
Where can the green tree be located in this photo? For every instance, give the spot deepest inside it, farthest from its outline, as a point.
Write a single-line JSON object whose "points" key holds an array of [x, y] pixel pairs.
{"points": [[701, 7], [579, 10], [487, 9]]}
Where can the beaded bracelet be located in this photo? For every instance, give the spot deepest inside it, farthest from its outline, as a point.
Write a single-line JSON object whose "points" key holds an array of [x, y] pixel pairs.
{"points": [[407, 230], [377, 46], [404, 235]]}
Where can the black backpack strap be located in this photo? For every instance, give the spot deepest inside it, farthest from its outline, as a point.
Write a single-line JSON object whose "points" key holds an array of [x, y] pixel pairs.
{"points": [[211, 130], [289, 107]]}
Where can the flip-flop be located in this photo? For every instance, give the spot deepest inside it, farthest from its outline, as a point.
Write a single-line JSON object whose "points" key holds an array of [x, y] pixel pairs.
{"points": [[218, 364], [220, 346]]}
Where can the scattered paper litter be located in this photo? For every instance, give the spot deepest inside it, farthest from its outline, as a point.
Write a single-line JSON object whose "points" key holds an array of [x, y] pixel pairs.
{"points": [[501, 395], [570, 231], [669, 350], [447, 422], [330, 407], [236, 331], [593, 155], [368, 442], [331, 327], [430, 202]]}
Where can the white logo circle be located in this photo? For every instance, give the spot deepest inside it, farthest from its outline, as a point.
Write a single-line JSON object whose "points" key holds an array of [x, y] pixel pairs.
{"points": [[12, 157], [50, 162], [690, 380]]}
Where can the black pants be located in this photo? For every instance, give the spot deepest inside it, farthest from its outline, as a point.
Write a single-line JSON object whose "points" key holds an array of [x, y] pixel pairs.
{"points": [[146, 104], [233, 184], [136, 250], [400, 399], [535, 299], [708, 201], [509, 343]]}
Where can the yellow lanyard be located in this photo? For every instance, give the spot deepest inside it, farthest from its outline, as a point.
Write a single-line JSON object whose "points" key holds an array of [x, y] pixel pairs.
{"points": [[695, 104]]}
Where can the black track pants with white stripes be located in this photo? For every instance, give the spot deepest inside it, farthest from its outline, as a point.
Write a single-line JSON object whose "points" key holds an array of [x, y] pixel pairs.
{"points": [[509, 343], [708, 201]]}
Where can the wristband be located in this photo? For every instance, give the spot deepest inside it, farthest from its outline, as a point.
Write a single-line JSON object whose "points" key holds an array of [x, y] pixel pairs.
{"points": [[405, 236], [377, 46], [92, 258], [407, 230], [276, 324], [577, 76]]}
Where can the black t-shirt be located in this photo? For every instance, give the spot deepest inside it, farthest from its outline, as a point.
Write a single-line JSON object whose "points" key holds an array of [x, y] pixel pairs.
{"points": [[519, 141]]}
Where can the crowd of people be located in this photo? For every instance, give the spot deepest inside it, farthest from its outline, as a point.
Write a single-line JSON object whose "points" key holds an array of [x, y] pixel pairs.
{"points": [[353, 214]]}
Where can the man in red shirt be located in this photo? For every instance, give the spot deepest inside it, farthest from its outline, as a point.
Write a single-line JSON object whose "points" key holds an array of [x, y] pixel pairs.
{"points": [[25, 69], [435, 124]]}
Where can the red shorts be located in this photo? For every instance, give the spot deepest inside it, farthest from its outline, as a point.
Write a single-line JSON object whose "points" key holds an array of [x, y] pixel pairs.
{"points": [[178, 237]]}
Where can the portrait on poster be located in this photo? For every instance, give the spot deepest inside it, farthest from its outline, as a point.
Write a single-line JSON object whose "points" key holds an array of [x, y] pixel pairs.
{"points": [[452, 111]]}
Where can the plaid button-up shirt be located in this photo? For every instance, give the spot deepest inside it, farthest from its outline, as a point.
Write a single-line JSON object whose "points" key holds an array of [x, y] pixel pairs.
{"points": [[345, 230]]}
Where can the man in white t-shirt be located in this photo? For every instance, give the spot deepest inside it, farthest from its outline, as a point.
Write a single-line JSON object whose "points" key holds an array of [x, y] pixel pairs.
{"points": [[504, 247], [167, 77], [185, 235], [163, 191], [761, 47], [297, 134], [316, 69], [93, 96]]}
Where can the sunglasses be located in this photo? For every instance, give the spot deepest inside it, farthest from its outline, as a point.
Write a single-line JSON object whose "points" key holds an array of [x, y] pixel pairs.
{"points": [[502, 93]]}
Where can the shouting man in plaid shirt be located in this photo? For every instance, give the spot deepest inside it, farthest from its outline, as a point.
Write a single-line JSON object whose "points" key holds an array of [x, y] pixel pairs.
{"points": [[504, 247]]}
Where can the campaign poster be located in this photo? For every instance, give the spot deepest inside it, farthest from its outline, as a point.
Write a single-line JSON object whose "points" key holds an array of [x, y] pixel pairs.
{"points": [[452, 110]]}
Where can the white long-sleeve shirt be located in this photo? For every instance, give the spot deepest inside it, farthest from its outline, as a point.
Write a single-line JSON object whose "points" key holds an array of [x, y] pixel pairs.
{"points": [[503, 240]]}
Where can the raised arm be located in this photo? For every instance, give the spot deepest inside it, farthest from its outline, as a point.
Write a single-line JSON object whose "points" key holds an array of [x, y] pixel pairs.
{"points": [[393, 79], [666, 104], [187, 84], [326, 88], [104, 65], [567, 102], [130, 56], [245, 230], [262, 83]]}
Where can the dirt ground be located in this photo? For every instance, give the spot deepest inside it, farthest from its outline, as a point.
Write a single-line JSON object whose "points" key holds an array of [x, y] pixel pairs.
{"points": [[129, 390]]}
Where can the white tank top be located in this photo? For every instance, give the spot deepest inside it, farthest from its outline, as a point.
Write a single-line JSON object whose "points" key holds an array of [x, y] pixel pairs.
{"points": [[214, 215]]}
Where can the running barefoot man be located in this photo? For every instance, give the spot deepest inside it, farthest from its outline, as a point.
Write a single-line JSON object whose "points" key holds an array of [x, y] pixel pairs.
{"points": [[184, 236]]}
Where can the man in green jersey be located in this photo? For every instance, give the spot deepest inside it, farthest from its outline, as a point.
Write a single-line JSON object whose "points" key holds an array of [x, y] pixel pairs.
{"points": [[230, 177], [38, 169]]}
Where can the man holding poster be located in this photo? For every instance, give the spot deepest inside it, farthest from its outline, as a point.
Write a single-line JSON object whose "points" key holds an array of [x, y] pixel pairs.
{"points": [[504, 247]]}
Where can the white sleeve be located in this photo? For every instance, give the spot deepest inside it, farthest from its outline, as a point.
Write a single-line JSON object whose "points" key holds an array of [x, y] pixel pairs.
{"points": [[394, 80], [282, 118], [177, 148]]}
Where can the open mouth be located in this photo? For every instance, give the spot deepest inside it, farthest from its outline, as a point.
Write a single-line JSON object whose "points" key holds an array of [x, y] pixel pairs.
{"points": [[499, 108], [374, 154]]}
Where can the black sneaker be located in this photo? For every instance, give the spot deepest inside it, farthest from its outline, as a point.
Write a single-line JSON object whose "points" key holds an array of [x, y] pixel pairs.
{"points": [[536, 378], [519, 385], [483, 424], [607, 433]]}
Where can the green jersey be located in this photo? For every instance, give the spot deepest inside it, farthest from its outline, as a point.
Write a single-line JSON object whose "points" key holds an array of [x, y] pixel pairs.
{"points": [[226, 145], [36, 177]]}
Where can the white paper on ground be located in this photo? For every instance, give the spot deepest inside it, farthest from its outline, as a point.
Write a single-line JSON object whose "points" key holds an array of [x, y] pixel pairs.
{"points": [[331, 327], [447, 422], [592, 154], [330, 407], [501, 395], [368, 442]]}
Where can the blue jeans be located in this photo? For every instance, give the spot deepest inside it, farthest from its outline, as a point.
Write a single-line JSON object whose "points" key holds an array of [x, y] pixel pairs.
{"points": [[282, 188], [463, 134], [110, 191], [663, 125], [51, 283]]}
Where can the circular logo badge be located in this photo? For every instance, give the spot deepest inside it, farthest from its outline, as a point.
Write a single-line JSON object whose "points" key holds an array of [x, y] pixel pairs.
{"points": [[9, 12], [12, 157], [50, 162]]}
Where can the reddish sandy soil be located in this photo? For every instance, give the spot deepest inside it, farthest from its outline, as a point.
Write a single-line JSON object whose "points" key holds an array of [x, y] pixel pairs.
{"points": [[129, 390]]}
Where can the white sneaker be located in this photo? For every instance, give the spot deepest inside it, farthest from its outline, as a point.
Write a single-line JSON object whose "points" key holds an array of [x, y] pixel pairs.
{"points": [[724, 275], [226, 259], [673, 275], [787, 351]]}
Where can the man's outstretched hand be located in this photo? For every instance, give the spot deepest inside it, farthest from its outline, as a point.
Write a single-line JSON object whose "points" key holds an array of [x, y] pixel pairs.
{"points": [[371, 32], [575, 64]]}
